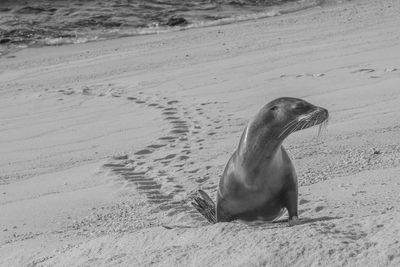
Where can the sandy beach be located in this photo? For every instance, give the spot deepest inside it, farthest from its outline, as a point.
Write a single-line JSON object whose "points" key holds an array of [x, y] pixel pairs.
{"points": [[103, 144]]}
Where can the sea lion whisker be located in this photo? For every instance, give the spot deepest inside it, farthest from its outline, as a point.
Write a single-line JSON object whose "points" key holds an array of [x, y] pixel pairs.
{"points": [[314, 119], [326, 122], [297, 127], [322, 127], [305, 125], [287, 129], [319, 131], [291, 123], [317, 119], [306, 121], [290, 128], [302, 124]]}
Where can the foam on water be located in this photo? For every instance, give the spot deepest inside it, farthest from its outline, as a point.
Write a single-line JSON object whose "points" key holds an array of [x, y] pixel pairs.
{"points": [[57, 22]]}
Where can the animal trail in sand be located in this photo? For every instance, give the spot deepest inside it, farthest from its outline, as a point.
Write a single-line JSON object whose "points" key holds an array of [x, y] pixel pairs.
{"points": [[182, 134]]}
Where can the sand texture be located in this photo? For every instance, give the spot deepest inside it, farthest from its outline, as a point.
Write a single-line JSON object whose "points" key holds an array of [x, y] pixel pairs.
{"points": [[102, 145]]}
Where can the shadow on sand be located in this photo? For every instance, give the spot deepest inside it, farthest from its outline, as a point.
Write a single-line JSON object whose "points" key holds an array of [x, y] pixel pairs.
{"points": [[281, 223], [306, 220]]}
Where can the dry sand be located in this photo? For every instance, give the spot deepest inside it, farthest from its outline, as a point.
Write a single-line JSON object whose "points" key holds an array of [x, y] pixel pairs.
{"points": [[103, 144]]}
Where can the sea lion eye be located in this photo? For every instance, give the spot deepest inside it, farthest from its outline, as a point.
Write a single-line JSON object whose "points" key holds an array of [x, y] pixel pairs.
{"points": [[274, 108]]}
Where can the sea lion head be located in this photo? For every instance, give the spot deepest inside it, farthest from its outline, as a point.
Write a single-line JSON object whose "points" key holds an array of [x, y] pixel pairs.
{"points": [[286, 115]]}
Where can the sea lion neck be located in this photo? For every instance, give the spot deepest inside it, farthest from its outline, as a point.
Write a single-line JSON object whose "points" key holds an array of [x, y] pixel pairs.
{"points": [[257, 145]]}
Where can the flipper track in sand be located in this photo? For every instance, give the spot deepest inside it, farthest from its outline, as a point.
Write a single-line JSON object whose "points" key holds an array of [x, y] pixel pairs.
{"points": [[141, 171]]}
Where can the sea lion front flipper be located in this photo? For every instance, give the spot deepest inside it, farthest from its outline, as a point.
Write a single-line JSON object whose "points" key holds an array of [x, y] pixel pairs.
{"points": [[294, 221], [291, 206]]}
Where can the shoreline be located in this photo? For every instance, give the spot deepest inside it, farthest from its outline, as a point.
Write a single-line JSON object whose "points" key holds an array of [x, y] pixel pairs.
{"points": [[102, 144], [268, 13]]}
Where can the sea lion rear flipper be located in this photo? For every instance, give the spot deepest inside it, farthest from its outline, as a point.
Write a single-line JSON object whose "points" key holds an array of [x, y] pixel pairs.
{"points": [[204, 204], [206, 198]]}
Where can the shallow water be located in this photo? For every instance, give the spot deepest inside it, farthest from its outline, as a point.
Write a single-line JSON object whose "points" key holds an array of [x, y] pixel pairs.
{"points": [[45, 22]]}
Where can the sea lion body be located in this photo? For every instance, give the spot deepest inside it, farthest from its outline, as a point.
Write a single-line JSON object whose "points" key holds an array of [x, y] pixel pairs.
{"points": [[259, 180], [261, 198]]}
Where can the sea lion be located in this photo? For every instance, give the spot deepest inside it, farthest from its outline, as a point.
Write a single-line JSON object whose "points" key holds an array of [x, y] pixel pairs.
{"points": [[259, 181]]}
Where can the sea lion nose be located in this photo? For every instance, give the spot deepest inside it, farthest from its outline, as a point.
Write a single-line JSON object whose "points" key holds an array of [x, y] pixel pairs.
{"points": [[323, 112]]}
